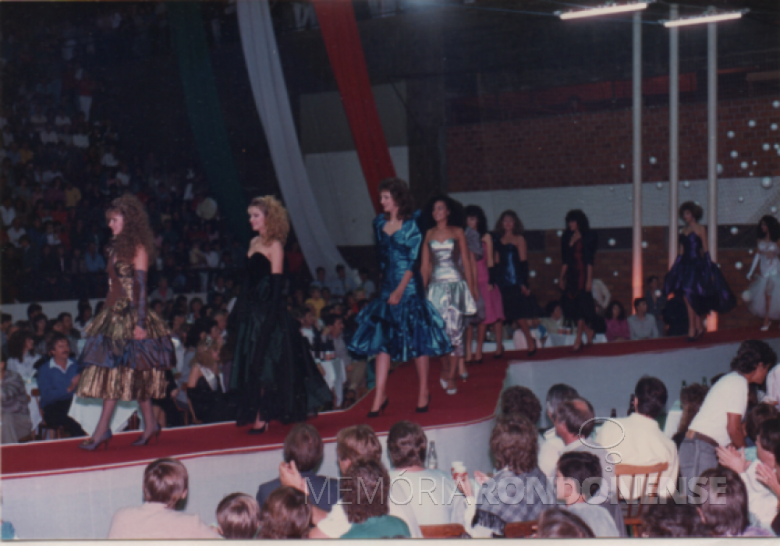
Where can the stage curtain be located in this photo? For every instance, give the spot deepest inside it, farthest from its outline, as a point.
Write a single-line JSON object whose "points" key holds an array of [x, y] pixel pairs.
{"points": [[345, 51], [205, 114], [273, 105]]}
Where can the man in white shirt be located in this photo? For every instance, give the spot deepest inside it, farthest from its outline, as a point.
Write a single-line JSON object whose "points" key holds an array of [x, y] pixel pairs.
{"points": [[719, 421], [366, 284], [642, 325], [15, 232], [551, 447], [643, 442], [342, 283]]}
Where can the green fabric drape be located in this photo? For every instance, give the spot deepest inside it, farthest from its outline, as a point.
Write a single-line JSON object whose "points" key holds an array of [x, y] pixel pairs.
{"points": [[203, 108]]}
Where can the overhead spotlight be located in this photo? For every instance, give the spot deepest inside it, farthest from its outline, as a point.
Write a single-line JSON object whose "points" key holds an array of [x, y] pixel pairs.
{"points": [[609, 8], [706, 17]]}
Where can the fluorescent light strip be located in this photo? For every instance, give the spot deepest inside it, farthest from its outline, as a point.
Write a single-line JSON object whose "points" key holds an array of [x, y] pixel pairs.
{"points": [[702, 19], [604, 10]]}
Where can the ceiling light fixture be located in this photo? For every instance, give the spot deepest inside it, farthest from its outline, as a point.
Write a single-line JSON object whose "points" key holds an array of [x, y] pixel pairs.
{"points": [[607, 9], [707, 17]]}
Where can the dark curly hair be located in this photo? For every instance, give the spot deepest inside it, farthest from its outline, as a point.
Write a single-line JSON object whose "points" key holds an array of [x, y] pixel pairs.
{"points": [[136, 230], [457, 217], [16, 344], [752, 353], [694, 209], [513, 443], [576, 215], [368, 491], [691, 399], [672, 520], [757, 417], [772, 225], [725, 510], [621, 315], [399, 190], [477, 212], [406, 445], [521, 400], [518, 228]]}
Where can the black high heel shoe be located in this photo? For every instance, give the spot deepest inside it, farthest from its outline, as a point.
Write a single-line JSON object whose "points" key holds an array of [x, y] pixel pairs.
{"points": [[96, 442], [424, 409], [261, 430], [496, 356], [372, 414], [141, 441]]}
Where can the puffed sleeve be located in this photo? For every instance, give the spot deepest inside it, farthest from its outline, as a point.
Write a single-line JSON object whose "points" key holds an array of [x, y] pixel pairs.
{"points": [[589, 244]]}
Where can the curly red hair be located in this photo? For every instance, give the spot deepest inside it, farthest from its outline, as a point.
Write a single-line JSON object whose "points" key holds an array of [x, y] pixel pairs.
{"points": [[136, 230]]}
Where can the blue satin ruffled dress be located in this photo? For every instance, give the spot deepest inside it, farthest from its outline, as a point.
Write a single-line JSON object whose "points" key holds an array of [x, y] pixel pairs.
{"points": [[413, 328], [695, 277]]}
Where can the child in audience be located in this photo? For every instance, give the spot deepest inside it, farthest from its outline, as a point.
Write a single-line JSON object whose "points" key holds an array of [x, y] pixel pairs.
{"points": [[238, 516], [165, 485], [285, 514], [575, 468], [315, 301]]}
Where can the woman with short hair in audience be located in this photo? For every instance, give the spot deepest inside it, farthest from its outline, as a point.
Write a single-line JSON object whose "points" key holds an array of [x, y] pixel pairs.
{"points": [[165, 485], [617, 325], [486, 284], [285, 514], [16, 412], [407, 448], [511, 275], [368, 514], [21, 354]]}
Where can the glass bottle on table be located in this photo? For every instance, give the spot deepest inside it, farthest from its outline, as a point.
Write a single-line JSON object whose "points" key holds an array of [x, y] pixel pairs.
{"points": [[433, 461]]}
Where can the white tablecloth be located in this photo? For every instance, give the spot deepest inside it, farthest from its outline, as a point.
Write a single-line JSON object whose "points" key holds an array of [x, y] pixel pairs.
{"points": [[35, 413], [564, 340], [86, 412]]}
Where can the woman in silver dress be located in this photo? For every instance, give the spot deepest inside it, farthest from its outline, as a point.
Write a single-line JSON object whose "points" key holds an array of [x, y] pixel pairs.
{"points": [[451, 290]]}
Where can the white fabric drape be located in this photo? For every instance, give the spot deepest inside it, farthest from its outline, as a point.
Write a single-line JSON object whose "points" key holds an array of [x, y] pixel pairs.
{"points": [[273, 105]]}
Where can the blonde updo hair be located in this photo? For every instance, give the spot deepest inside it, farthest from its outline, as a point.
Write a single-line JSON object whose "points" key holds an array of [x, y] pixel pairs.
{"points": [[277, 222]]}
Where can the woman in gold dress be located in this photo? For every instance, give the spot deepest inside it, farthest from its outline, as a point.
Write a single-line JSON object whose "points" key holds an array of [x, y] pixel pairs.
{"points": [[128, 347]]}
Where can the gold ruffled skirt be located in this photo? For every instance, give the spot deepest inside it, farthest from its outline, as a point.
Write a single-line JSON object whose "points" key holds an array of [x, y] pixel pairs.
{"points": [[117, 366]]}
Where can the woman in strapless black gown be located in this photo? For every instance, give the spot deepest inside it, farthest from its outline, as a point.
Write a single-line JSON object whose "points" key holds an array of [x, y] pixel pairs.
{"points": [[694, 276], [273, 371]]}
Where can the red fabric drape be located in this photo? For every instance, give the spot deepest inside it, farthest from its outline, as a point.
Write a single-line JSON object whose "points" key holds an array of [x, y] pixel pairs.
{"points": [[342, 41]]}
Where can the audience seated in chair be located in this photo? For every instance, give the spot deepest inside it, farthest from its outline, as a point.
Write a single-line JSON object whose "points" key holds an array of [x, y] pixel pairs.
{"points": [[575, 472], [238, 517], [16, 411], [724, 506], [286, 513], [672, 520], [559, 523], [165, 484], [57, 379]]}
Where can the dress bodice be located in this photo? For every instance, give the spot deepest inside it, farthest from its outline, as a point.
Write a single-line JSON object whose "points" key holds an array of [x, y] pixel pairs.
{"points": [[120, 281], [510, 269], [397, 252], [444, 257], [258, 267], [692, 246], [768, 257]]}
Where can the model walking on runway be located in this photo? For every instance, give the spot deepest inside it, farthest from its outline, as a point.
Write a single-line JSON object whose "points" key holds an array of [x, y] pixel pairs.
{"points": [[128, 347], [400, 324], [273, 370], [764, 293], [694, 276], [451, 288], [578, 251]]}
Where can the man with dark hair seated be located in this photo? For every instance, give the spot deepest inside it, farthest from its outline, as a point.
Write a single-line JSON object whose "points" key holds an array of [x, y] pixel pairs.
{"points": [[366, 502], [723, 504], [521, 400], [672, 520], [641, 441], [57, 379], [303, 446], [719, 421], [578, 475]]}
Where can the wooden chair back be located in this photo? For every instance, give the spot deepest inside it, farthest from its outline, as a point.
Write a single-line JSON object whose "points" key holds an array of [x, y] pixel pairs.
{"points": [[643, 484], [447, 530], [520, 529]]}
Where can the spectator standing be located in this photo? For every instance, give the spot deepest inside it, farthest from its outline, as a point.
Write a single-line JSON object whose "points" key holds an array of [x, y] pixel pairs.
{"points": [[642, 325]]}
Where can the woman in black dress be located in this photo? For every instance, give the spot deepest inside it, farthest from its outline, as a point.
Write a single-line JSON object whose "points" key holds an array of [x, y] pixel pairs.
{"points": [[578, 250], [511, 276], [273, 371]]}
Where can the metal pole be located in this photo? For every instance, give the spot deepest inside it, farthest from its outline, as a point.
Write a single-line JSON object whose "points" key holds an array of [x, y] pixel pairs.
{"points": [[674, 150], [712, 151], [636, 251]]}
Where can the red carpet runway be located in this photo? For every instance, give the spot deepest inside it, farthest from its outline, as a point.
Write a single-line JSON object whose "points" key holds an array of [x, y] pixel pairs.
{"points": [[475, 402]]}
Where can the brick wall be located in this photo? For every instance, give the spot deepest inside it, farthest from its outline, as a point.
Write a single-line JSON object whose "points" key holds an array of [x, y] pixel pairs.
{"points": [[588, 148]]}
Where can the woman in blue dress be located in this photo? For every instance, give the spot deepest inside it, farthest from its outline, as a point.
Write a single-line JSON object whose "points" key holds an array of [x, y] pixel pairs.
{"points": [[694, 276], [400, 324]]}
